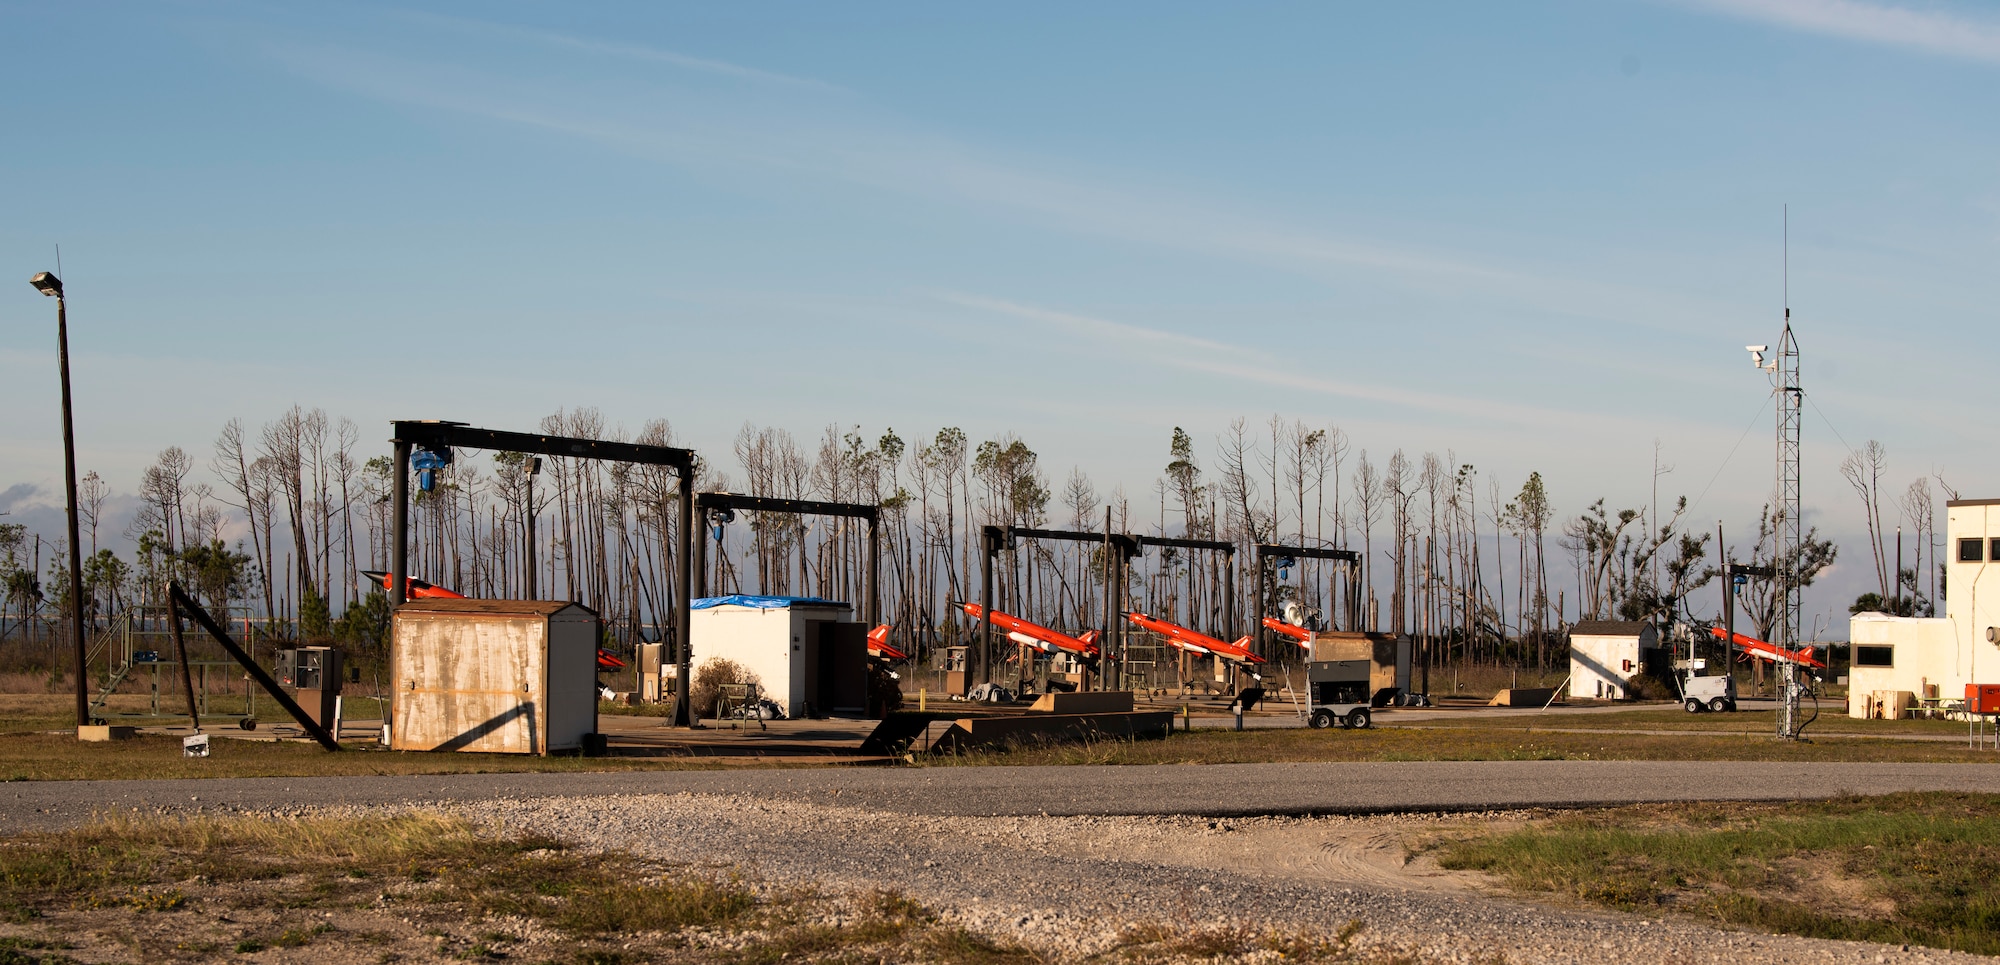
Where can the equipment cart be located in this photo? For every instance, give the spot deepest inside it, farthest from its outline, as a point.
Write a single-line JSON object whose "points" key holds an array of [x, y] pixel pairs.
{"points": [[1337, 691]]}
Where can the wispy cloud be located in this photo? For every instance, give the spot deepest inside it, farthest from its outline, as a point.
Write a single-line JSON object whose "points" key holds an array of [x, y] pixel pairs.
{"points": [[845, 140], [551, 38], [1242, 363], [1894, 26], [799, 127]]}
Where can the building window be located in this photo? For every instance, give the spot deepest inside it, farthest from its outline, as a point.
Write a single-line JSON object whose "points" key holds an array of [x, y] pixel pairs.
{"points": [[1968, 551], [1994, 554], [1874, 656]]}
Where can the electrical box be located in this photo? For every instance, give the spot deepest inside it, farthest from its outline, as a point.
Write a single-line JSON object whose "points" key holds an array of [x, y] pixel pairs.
{"points": [[1982, 698], [318, 668], [310, 668], [1339, 681]]}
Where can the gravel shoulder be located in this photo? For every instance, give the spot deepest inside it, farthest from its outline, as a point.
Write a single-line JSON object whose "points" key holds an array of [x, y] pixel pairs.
{"points": [[1065, 886]]}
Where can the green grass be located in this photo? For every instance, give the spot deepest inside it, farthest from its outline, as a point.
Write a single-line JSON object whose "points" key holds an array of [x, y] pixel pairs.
{"points": [[1832, 722], [1489, 740], [1908, 868]]}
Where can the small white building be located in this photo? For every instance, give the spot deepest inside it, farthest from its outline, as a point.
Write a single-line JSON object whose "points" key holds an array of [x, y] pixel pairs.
{"points": [[1604, 655], [810, 658], [1897, 661]]}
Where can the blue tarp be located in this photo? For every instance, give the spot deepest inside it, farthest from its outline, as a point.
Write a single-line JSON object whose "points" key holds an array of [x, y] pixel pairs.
{"points": [[761, 602]]}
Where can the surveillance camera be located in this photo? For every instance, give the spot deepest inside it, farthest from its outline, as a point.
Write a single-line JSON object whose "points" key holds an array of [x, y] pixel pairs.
{"points": [[1756, 349]]}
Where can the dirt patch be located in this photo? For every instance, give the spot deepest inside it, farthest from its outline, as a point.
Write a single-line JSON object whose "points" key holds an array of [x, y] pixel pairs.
{"points": [[1371, 852]]}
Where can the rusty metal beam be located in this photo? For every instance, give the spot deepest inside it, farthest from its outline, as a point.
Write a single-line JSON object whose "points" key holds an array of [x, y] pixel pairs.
{"points": [[178, 597]]}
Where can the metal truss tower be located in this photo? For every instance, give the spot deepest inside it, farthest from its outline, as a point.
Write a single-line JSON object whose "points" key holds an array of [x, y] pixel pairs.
{"points": [[1789, 524], [1791, 400]]}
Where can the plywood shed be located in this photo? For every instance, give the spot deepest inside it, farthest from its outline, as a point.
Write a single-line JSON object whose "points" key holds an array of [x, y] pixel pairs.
{"points": [[1388, 657], [493, 676], [1604, 656], [810, 657]]}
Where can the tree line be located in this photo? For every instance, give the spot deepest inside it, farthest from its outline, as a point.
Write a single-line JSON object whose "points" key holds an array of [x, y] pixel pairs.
{"points": [[287, 516]]}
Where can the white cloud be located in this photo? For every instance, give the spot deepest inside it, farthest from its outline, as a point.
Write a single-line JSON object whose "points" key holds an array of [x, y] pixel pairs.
{"points": [[1893, 26]]}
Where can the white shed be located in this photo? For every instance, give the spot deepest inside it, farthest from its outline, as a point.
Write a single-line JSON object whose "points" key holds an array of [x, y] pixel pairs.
{"points": [[498, 676], [1604, 655], [808, 654]]}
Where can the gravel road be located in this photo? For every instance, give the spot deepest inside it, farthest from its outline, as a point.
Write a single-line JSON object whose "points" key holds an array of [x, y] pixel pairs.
{"points": [[1214, 790]]}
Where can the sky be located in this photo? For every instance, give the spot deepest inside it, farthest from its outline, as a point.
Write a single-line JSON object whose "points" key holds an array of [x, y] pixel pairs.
{"points": [[1537, 235]]}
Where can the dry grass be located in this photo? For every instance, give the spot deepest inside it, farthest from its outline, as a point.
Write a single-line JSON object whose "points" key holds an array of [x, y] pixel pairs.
{"points": [[60, 757], [425, 886], [1906, 868]]}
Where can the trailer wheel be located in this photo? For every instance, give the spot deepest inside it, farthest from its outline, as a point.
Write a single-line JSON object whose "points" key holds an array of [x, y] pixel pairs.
{"points": [[1718, 705], [1320, 719], [1358, 718], [1693, 705]]}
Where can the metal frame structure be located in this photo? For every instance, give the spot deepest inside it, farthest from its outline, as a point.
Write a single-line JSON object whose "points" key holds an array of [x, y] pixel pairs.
{"points": [[704, 502], [1120, 548], [992, 539], [117, 645], [1228, 551], [181, 603], [439, 437], [1267, 551], [1789, 524]]}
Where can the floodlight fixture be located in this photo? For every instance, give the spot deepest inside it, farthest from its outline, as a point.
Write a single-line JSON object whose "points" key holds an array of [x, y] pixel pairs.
{"points": [[47, 283]]}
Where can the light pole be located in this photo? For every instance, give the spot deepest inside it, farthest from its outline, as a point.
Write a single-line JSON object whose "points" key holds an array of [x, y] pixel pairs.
{"points": [[48, 284]]}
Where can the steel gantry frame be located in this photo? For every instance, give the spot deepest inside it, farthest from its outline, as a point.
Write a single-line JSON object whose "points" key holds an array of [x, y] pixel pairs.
{"points": [[1120, 549], [440, 437], [705, 502], [1268, 551]]}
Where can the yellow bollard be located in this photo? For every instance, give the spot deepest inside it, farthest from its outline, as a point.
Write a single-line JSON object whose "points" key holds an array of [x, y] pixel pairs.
{"points": [[920, 701]]}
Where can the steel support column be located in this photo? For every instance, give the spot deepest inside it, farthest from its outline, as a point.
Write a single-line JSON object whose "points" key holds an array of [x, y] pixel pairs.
{"points": [[399, 553]]}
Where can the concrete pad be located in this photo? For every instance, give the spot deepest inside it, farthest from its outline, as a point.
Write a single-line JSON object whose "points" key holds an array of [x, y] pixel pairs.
{"points": [[970, 732], [1091, 702], [1523, 697]]}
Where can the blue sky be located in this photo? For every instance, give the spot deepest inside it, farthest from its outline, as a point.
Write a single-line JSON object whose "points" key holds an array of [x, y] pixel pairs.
{"points": [[1535, 234]]}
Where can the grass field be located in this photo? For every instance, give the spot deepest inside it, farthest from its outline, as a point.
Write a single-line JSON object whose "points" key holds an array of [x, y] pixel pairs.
{"points": [[1831, 722], [1488, 740], [424, 886], [36, 744], [1908, 868]]}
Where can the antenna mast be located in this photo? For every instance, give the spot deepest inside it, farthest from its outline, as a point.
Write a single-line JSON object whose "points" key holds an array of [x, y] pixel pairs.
{"points": [[1791, 399]]}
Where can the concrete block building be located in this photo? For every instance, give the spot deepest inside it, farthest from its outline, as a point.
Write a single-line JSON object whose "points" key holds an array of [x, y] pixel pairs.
{"points": [[1900, 661], [1604, 655]]}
